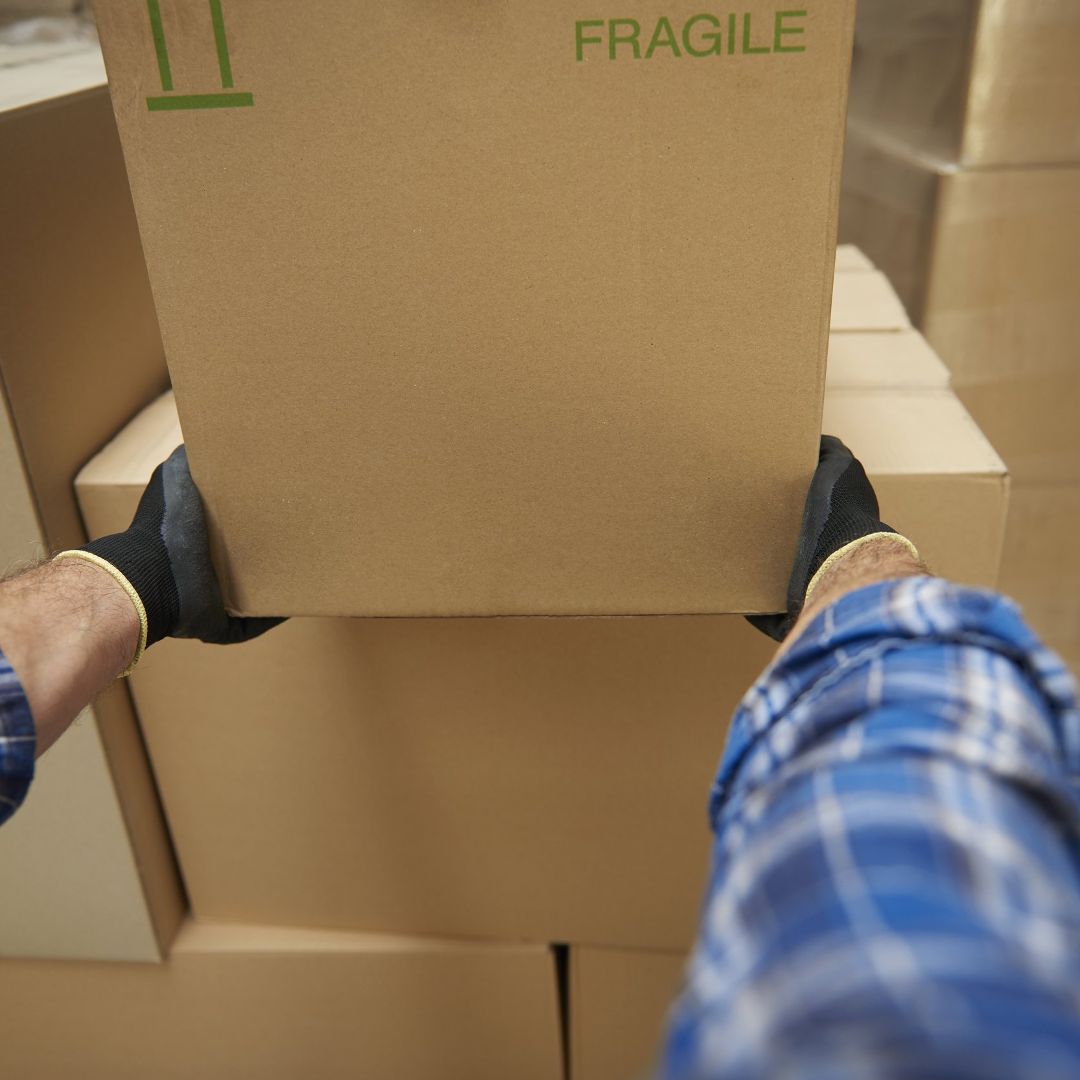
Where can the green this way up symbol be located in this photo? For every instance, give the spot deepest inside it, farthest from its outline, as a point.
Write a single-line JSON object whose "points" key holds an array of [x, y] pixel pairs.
{"points": [[226, 98]]}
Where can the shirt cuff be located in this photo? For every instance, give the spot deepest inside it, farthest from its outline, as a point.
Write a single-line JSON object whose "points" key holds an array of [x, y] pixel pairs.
{"points": [[18, 741], [957, 666]]}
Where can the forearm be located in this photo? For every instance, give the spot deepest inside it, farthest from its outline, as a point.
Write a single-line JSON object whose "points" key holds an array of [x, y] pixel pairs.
{"points": [[880, 559], [892, 853], [68, 629]]}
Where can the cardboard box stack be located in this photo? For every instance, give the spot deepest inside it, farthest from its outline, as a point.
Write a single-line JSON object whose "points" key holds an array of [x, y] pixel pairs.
{"points": [[464, 316], [962, 181], [87, 862], [537, 780]]}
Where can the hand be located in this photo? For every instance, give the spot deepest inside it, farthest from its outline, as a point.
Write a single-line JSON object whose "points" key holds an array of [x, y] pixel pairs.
{"points": [[165, 555], [841, 508]]}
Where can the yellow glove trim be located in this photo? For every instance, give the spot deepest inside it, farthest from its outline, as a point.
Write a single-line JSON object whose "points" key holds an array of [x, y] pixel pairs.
{"points": [[140, 610], [847, 549]]}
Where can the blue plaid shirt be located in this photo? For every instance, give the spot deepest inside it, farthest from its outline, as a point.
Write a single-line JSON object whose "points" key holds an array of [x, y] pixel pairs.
{"points": [[895, 888], [17, 742]]}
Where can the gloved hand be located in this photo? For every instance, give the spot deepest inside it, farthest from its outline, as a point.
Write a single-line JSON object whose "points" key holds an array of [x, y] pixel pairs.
{"points": [[841, 508], [165, 558]]}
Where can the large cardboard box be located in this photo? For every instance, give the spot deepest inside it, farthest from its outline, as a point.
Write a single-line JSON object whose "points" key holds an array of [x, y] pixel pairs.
{"points": [[87, 859], [528, 305], [538, 779], [619, 1001], [979, 82], [279, 1005]]}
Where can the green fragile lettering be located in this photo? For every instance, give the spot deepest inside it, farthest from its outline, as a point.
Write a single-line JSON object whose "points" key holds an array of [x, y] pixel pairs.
{"points": [[698, 36], [747, 48], [630, 37], [582, 40], [663, 38], [702, 42], [782, 31]]}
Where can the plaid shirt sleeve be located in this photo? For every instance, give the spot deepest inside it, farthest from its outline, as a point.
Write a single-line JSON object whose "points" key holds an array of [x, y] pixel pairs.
{"points": [[895, 888], [17, 741]]}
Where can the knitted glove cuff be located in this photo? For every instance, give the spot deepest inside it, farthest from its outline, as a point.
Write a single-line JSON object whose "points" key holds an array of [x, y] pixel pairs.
{"points": [[142, 559]]}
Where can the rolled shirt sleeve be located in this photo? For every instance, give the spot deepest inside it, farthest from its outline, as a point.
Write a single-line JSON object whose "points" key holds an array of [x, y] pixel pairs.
{"points": [[17, 742], [895, 886]]}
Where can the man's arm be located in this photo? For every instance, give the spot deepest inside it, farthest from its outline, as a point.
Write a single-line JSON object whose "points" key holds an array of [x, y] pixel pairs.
{"points": [[895, 887], [68, 630], [880, 559]]}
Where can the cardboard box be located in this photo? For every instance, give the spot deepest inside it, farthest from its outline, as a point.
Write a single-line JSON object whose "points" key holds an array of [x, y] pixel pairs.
{"points": [[273, 1004], [619, 1000], [986, 261], [849, 259], [894, 361], [538, 779], [477, 295], [866, 303], [79, 353], [978, 83]]}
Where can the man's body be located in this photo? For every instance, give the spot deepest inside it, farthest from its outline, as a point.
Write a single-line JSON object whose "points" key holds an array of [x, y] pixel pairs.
{"points": [[896, 884]]}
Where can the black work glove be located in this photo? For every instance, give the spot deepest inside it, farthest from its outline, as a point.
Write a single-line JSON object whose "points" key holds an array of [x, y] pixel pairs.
{"points": [[840, 507], [165, 555]]}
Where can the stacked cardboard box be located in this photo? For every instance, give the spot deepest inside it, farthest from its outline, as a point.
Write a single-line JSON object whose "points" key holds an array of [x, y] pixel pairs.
{"points": [[88, 862], [280, 1004], [478, 298], [962, 181]]}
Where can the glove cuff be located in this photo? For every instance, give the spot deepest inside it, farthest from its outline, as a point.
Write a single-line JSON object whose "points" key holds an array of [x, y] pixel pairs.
{"points": [[133, 596], [141, 558]]}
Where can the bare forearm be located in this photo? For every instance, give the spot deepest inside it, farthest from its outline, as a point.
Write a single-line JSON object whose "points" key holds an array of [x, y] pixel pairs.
{"points": [[68, 630], [881, 559]]}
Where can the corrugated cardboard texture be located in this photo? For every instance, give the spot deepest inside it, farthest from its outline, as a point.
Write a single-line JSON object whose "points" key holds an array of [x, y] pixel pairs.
{"points": [[79, 353], [461, 324], [982, 84], [235, 1002], [513, 778], [619, 1000]]}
